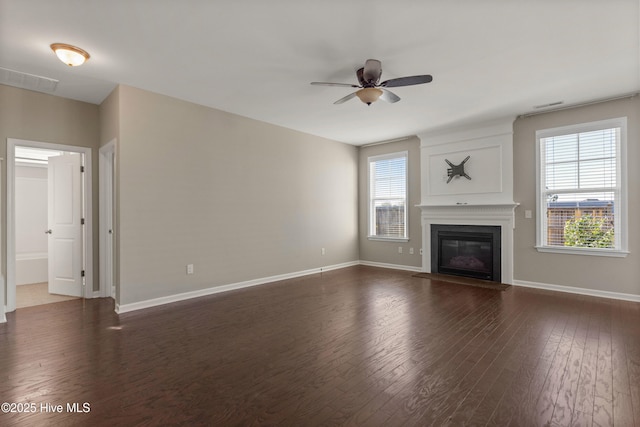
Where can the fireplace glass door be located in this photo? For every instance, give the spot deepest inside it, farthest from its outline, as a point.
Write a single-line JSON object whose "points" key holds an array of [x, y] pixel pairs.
{"points": [[466, 250], [466, 256]]}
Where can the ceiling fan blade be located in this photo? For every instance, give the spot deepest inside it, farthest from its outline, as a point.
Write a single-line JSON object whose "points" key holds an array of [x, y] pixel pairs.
{"points": [[389, 96], [346, 98], [360, 74], [333, 84], [407, 81], [372, 71]]}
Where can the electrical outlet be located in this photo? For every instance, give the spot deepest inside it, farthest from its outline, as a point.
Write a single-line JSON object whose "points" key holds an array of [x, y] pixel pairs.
{"points": [[323, 251], [527, 214], [189, 268], [410, 251], [399, 249]]}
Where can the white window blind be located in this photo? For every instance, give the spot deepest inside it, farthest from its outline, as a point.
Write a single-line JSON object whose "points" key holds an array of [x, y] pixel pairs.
{"points": [[580, 189], [388, 196]]}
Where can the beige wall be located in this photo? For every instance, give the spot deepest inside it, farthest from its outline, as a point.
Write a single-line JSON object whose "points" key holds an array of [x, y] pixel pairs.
{"points": [[40, 117], [242, 199], [238, 198], [590, 272], [387, 252]]}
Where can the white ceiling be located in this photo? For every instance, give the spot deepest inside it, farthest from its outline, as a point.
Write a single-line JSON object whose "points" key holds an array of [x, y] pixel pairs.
{"points": [[489, 59]]}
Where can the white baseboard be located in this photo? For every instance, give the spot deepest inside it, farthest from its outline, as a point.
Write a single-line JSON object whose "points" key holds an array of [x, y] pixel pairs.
{"points": [[31, 268], [392, 266], [124, 308], [580, 291], [333, 267]]}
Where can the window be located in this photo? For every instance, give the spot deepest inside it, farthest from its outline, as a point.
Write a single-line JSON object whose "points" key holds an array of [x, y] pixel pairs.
{"points": [[388, 196], [581, 191]]}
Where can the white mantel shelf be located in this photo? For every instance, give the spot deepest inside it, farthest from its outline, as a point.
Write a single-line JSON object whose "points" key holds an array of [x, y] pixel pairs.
{"points": [[473, 205], [504, 211]]}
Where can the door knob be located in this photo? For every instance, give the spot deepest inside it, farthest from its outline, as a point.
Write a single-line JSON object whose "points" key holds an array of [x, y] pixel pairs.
{"points": [[48, 231]]}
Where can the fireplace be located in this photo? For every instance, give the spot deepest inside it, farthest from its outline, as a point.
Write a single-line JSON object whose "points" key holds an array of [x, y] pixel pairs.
{"points": [[466, 250], [484, 201]]}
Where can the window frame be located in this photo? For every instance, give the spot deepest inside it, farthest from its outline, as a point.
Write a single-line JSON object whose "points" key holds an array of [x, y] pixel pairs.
{"points": [[371, 200], [620, 219]]}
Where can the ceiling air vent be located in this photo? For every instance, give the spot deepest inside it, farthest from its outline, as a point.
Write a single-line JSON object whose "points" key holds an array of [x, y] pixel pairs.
{"points": [[27, 81], [551, 104]]}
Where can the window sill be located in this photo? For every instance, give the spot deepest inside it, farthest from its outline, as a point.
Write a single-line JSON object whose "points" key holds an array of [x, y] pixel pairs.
{"points": [[583, 251], [388, 239]]}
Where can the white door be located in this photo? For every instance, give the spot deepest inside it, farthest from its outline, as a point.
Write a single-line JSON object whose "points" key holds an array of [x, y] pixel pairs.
{"points": [[65, 225]]}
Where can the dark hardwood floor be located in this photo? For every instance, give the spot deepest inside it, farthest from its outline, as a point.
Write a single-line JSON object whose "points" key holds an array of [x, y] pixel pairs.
{"points": [[357, 346]]}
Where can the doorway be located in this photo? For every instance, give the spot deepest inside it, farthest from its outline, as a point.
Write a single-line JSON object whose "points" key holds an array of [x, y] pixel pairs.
{"points": [[48, 256]]}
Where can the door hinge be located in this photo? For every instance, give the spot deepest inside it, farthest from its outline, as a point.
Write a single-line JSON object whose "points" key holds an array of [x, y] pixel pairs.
{"points": [[81, 221], [81, 169], [82, 273]]}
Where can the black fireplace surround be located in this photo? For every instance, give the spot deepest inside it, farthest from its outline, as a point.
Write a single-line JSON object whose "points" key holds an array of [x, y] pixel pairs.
{"points": [[466, 250]]}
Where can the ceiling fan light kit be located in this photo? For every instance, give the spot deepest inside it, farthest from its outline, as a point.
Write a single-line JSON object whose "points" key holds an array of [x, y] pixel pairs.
{"points": [[370, 88], [369, 94], [71, 55]]}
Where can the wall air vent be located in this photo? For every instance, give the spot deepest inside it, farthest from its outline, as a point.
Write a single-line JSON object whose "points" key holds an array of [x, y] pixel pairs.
{"points": [[27, 81]]}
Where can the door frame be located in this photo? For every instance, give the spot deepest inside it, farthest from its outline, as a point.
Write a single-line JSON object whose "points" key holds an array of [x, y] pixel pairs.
{"points": [[87, 239], [106, 195]]}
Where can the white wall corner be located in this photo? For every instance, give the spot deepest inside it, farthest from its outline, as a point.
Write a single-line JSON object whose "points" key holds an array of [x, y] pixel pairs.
{"points": [[3, 308]]}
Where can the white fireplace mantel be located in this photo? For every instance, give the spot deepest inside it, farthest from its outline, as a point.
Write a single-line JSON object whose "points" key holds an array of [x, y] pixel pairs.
{"points": [[485, 199], [476, 212], [501, 215]]}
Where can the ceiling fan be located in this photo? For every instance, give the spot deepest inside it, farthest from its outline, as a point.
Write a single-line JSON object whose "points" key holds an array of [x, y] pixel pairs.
{"points": [[370, 90]]}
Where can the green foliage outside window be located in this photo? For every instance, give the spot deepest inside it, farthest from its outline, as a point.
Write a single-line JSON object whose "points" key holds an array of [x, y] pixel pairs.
{"points": [[588, 232]]}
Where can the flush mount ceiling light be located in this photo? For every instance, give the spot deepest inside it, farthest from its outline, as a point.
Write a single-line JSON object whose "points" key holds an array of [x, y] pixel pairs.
{"points": [[70, 55]]}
